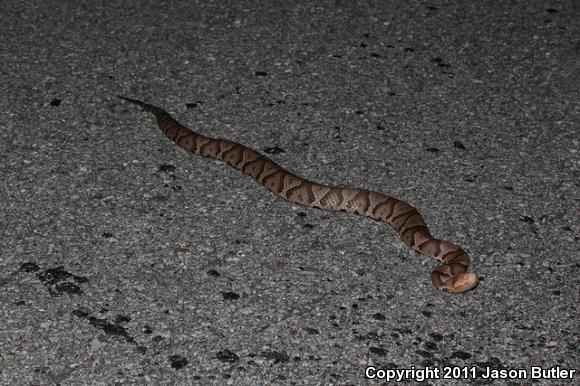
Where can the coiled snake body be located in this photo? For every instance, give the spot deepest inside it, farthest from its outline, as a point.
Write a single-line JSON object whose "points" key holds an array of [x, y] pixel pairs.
{"points": [[450, 276]]}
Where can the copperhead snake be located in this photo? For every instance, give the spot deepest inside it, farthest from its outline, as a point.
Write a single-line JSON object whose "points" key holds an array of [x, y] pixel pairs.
{"points": [[450, 276]]}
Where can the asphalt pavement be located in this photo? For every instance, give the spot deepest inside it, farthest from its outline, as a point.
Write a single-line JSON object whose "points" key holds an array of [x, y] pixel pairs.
{"points": [[126, 260]]}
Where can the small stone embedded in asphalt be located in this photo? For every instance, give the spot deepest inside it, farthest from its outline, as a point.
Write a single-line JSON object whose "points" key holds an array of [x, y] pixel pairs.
{"points": [[227, 356], [177, 361]]}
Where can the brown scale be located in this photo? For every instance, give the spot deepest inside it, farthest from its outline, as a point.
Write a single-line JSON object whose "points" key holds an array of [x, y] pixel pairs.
{"points": [[451, 276]]}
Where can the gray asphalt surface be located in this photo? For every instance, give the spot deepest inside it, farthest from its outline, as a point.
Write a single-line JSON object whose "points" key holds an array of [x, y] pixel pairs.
{"points": [[125, 260]]}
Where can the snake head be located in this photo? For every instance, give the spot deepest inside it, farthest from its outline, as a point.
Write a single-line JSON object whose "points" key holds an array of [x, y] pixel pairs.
{"points": [[453, 283], [464, 282]]}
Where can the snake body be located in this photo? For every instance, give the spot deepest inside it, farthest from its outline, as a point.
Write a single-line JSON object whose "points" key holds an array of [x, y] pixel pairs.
{"points": [[450, 276]]}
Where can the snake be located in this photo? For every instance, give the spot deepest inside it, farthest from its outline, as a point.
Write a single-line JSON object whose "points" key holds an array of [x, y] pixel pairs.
{"points": [[450, 276]]}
